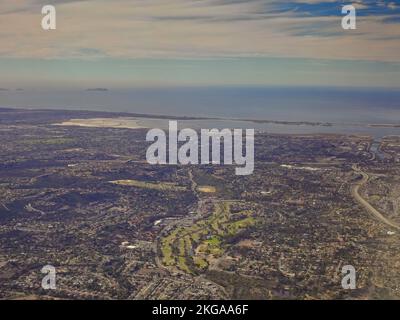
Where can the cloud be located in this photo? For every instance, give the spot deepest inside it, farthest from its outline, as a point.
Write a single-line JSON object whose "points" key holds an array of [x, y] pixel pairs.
{"points": [[200, 29]]}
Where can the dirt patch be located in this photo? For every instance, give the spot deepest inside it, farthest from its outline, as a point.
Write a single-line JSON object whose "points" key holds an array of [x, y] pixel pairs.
{"points": [[207, 189]]}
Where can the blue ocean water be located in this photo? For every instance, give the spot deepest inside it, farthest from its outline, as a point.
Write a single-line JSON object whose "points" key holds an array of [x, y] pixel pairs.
{"points": [[341, 106]]}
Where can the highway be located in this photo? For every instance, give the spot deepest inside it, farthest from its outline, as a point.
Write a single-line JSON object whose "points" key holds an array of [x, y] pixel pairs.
{"points": [[355, 193]]}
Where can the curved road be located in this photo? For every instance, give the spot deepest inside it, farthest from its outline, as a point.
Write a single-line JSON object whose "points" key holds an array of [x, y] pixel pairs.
{"points": [[354, 191]]}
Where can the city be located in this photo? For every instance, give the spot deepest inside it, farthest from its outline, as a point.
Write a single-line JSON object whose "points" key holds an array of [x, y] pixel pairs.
{"points": [[84, 200]]}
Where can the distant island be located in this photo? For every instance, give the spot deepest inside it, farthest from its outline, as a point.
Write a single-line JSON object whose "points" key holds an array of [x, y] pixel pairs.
{"points": [[385, 125], [297, 123], [97, 89]]}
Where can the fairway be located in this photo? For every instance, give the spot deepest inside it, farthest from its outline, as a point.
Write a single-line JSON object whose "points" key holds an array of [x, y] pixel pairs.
{"points": [[191, 248]]}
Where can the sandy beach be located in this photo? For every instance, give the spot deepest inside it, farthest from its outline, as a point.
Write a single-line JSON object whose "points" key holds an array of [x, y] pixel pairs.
{"points": [[126, 123]]}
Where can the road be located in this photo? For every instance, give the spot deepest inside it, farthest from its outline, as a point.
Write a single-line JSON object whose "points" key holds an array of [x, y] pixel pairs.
{"points": [[355, 193]]}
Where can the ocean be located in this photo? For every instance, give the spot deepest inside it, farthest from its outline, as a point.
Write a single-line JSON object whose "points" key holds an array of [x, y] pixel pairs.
{"points": [[349, 110]]}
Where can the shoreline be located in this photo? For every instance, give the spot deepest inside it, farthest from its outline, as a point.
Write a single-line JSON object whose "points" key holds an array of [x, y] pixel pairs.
{"points": [[90, 114], [126, 120]]}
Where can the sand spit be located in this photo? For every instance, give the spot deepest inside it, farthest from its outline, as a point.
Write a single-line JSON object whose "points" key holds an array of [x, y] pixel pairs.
{"points": [[122, 123]]}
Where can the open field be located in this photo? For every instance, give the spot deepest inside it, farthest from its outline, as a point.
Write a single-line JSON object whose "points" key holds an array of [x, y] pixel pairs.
{"points": [[162, 186], [207, 189]]}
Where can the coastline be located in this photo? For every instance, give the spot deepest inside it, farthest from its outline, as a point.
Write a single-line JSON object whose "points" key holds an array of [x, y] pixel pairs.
{"points": [[126, 120]]}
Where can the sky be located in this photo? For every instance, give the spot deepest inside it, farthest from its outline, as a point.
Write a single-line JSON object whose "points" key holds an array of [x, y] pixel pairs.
{"points": [[145, 43]]}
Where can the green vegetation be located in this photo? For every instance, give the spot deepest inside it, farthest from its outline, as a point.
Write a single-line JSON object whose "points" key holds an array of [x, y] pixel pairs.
{"points": [[162, 186], [191, 248], [166, 248], [210, 183], [200, 263], [236, 226]]}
